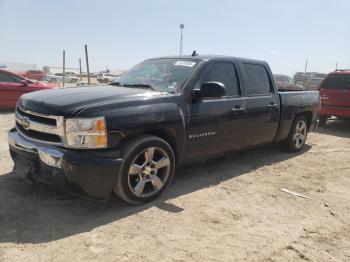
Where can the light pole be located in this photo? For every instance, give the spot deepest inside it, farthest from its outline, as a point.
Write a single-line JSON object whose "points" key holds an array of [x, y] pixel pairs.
{"points": [[182, 26], [306, 64]]}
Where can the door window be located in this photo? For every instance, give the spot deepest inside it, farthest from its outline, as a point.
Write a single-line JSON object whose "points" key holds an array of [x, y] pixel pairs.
{"points": [[8, 78], [224, 73], [257, 80]]}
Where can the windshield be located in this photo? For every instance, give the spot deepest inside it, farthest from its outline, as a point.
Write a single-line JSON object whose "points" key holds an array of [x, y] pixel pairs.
{"points": [[164, 75], [337, 81]]}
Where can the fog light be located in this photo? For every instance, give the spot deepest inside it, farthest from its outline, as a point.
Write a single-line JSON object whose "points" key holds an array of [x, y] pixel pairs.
{"points": [[50, 157]]}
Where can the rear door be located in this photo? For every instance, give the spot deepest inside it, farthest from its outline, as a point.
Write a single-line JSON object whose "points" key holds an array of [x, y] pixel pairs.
{"points": [[335, 93], [217, 125], [263, 105], [10, 89]]}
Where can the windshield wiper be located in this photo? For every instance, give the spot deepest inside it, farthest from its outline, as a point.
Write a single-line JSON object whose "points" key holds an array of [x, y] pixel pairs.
{"points": [[115, 84], [139, 85]]}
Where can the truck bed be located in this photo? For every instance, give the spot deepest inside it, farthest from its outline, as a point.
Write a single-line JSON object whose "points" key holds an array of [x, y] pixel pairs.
{"points": [[294, 102]]}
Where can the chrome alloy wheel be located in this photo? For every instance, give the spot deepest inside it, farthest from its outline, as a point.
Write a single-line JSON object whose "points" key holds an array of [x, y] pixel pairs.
{"points": [[300, 134], [149, 172]]}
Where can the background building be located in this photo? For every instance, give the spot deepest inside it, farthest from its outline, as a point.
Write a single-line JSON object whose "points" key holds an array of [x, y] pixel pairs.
{"points": [[17, 67]]}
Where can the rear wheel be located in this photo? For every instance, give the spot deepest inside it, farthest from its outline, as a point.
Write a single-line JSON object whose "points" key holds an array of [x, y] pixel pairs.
{"points": [[53, 80], [147, 170], [322, 120], [297, 135]]}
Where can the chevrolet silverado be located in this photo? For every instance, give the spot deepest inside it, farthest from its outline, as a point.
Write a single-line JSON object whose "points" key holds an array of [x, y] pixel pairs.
{"points": [[129, 136]]}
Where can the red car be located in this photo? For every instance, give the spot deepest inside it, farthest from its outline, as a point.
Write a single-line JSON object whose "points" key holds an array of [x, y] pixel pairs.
{"points": [[34, 74], [12, 86], [335, 96]]}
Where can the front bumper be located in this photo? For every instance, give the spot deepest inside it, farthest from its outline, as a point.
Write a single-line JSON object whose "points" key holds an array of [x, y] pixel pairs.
{"points": [[88, 173]]}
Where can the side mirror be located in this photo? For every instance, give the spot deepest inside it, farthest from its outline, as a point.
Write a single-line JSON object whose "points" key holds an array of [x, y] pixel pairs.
{"points": [[209, 90], [24, 82]]}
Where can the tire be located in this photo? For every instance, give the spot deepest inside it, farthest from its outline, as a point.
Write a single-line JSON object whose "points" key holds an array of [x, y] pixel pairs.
{"points": [[322, 120], [297, 135], [139, 179], [53, 80]]}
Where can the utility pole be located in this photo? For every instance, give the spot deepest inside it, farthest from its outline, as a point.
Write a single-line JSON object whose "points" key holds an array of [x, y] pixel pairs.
{"points": [[87, 64], [81, 77], [306, 65], [182, 26], [64, 67]]}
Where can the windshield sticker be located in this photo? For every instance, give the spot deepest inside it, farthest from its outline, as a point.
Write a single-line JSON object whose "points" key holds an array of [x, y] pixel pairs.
{"points": [[173, 85], [185, 63]]}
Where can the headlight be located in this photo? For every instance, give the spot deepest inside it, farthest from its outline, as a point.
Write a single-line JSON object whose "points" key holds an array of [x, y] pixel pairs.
{"points": [[86, 132]]}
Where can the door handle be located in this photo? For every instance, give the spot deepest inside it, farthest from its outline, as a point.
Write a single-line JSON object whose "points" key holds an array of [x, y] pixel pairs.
{"points": [[238, 109], [272, 105]]}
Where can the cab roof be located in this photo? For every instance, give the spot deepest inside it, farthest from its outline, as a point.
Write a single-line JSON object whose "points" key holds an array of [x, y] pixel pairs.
{"points": [[341, 72], [212, 57]]}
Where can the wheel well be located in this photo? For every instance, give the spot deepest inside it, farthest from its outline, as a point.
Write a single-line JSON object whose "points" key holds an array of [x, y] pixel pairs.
{"points": [[307, 115], [171, 140], [159, 133]]}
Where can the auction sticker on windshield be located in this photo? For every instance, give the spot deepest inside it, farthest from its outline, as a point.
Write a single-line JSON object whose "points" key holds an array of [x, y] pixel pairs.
{"points": [[185, 63]]}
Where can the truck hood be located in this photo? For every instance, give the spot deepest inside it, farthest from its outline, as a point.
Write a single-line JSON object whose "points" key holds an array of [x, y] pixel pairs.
{"points": [[68, 101]]}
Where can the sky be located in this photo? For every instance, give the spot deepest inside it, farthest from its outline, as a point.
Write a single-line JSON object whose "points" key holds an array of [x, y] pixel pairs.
{"points": [[120, 34]]}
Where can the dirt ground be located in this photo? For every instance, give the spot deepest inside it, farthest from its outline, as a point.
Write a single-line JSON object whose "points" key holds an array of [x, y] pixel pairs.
{"points": [[227, 209]]}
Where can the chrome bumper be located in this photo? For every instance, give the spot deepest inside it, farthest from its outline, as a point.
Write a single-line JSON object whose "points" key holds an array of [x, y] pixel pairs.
{"points": [[50, 156]]}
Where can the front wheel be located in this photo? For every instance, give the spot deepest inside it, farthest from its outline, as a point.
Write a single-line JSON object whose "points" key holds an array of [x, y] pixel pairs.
{"points": [[148, 168], [297, 135]]}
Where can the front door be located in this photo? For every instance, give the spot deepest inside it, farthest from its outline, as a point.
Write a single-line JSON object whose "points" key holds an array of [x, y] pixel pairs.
{"points": [[217, 125], [10, 89]]}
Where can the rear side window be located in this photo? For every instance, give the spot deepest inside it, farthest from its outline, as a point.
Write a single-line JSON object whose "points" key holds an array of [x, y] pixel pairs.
{"points": [[257, 80], [224, 73], [336, 81]]}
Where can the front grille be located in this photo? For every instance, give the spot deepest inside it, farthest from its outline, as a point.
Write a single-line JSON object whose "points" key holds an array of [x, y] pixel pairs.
{"points": [[38, 135], [37, 118], [39, 127]]}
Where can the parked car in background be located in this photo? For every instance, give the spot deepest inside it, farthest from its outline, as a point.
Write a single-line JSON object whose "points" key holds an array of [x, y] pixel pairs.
{"points": [[106, 78], [313, 83], [12, 86], [285, 83], [34, 74], [58, 77], [299, 78], [335, 96], [303, 79], [71, 74], [93, 74]]}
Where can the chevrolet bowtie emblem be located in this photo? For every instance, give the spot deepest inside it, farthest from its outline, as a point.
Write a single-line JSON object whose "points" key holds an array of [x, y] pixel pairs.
{"points": [[25, 123]]}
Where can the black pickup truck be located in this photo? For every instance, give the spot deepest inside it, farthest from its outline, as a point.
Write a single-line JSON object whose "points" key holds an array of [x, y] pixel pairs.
{"points": [[128, 137]]}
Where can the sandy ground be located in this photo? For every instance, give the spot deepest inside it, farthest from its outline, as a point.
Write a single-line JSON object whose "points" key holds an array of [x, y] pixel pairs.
{"points": [[227, 209]]}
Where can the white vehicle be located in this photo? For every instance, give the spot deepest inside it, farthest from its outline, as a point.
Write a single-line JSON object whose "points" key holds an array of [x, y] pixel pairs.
{"points": [[106, 78], [58, 77]]}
